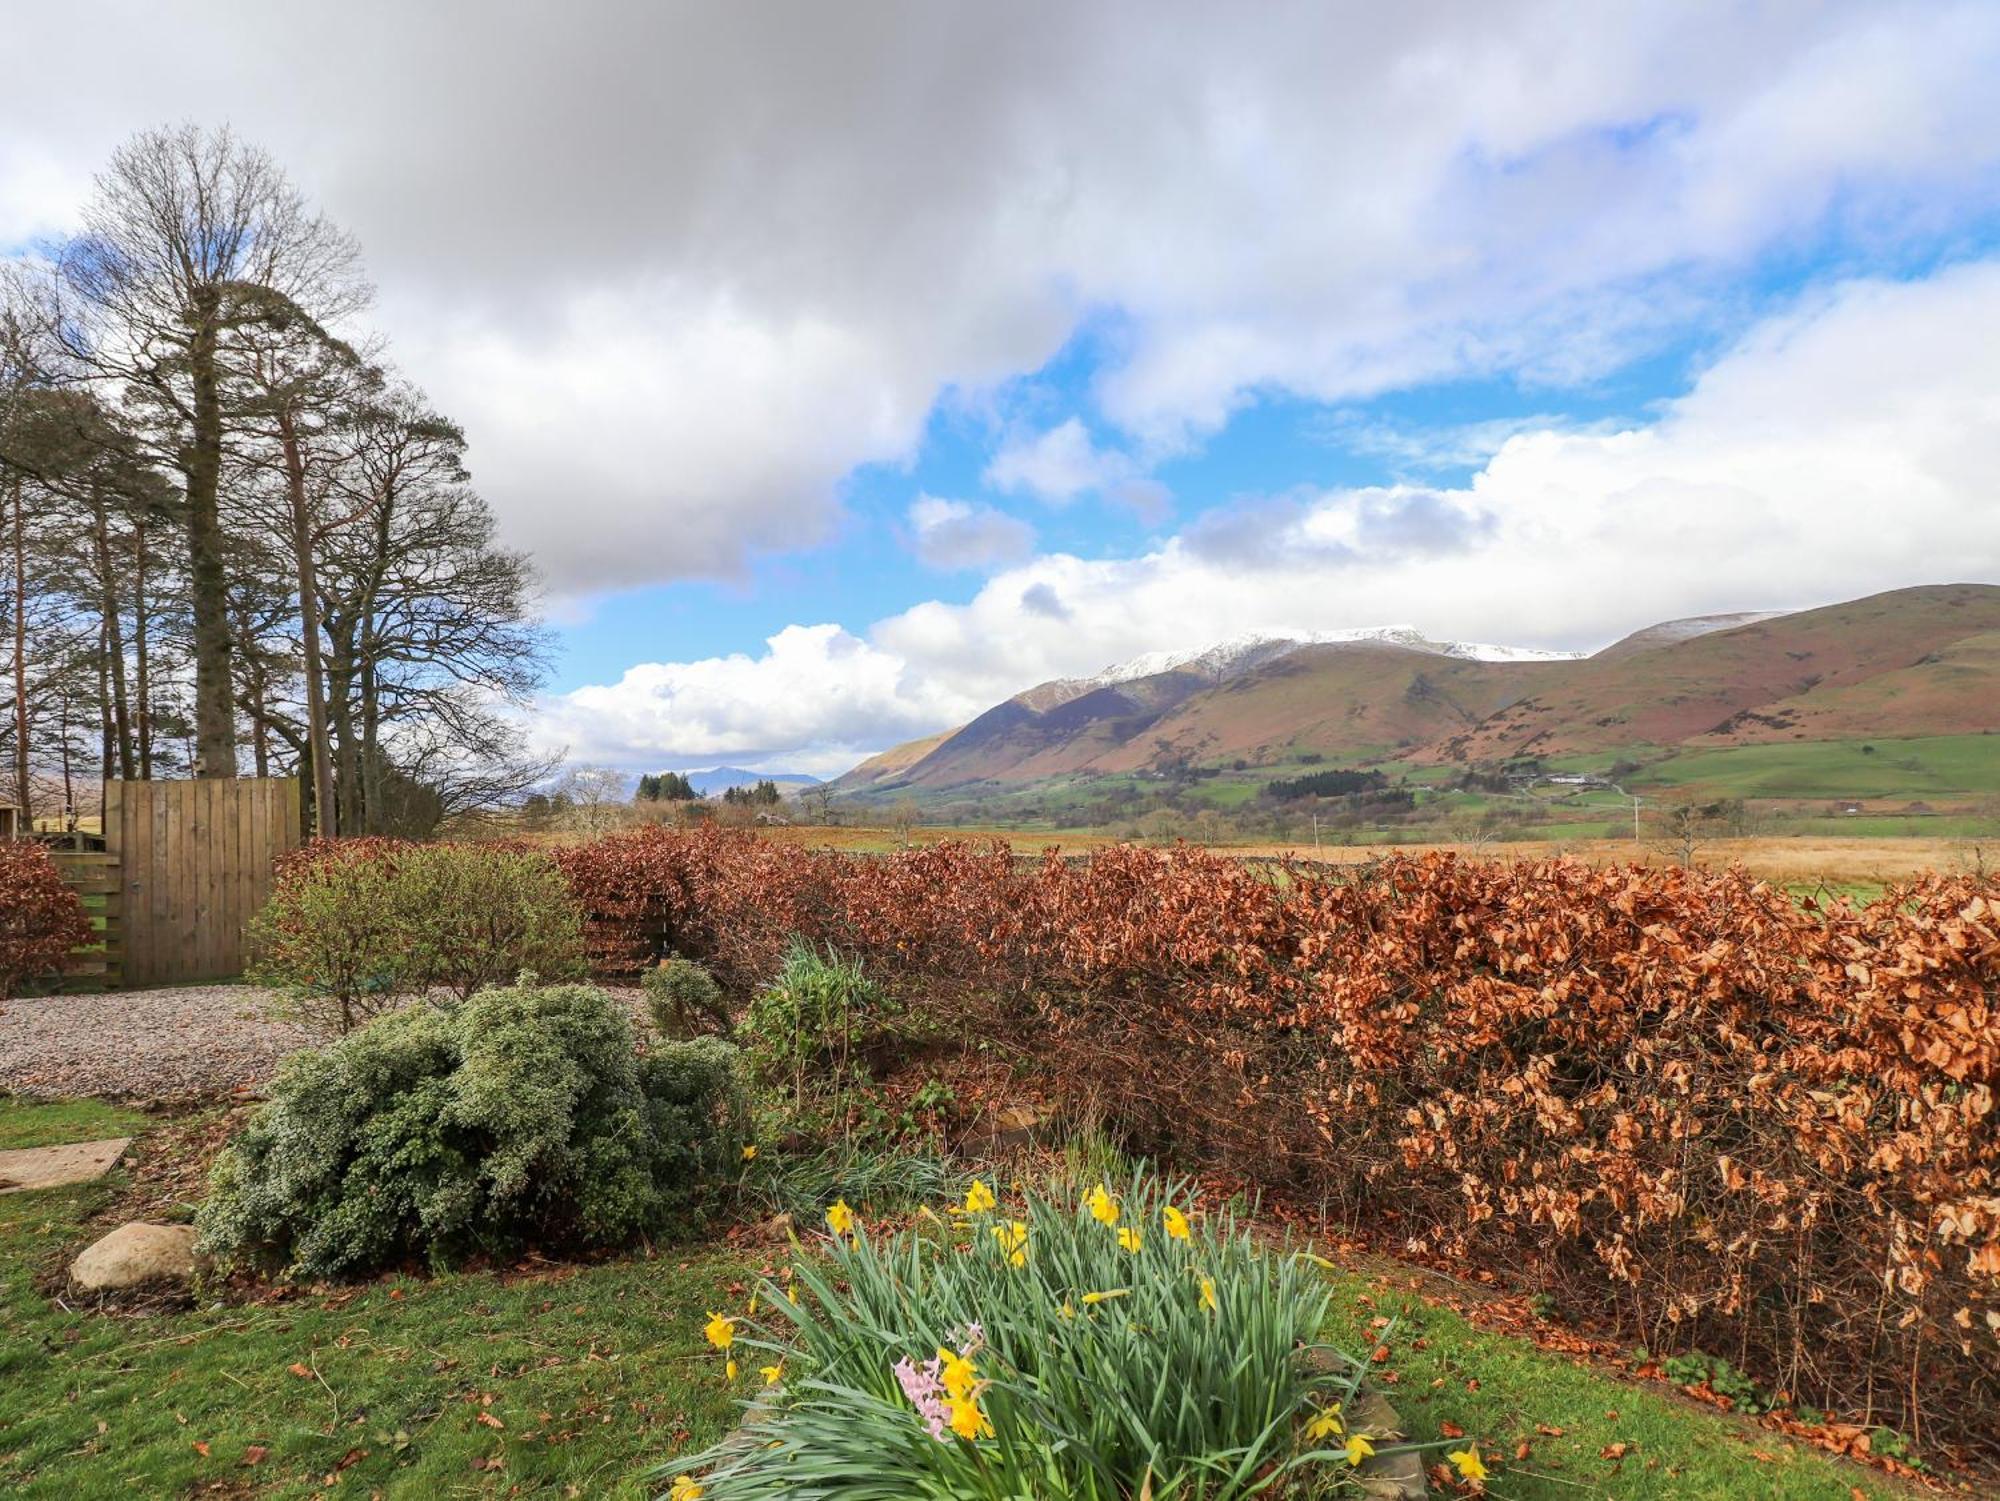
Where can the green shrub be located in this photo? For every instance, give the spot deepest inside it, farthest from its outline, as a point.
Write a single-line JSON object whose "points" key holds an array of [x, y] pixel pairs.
{"points": [[524, 1117], [684, 1000], [1118, 1349], [352, 932], [329, 940], [817, 1025]]}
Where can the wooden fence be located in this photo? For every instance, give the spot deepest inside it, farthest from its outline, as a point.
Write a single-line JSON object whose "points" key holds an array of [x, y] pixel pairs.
{"points": [[184, 867]]}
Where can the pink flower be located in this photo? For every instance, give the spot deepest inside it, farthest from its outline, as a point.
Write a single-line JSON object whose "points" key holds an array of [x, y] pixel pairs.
{"points": [[926, 1393]]}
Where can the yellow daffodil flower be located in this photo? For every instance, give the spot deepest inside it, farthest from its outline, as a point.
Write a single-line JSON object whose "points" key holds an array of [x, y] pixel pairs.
{"points": [[1103, 1208], [1358, 1449], [1468, 1464], [1013, 1238], [956, 1374], [1091, 1300], [685, 1489], [967, 1421], [840, 1219], [1177, 1223], [1068, 1310], [979, 1198], [771, 1373], [750, 1153], [1129, 1238], [729, 1369], [751, 1311], [1208, 1294], [792, 1295], [1326, 1424], [720, 1330]]}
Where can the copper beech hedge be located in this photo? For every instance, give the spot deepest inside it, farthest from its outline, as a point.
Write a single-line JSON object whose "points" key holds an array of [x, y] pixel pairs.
{"points": [[1669, 1098]]}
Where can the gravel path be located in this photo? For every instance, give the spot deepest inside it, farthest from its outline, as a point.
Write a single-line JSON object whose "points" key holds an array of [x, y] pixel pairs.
{"points": [[143, 1044], [156, 1044]]}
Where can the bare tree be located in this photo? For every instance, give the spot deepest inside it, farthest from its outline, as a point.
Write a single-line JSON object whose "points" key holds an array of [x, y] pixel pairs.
{"points": [[189, 234]]}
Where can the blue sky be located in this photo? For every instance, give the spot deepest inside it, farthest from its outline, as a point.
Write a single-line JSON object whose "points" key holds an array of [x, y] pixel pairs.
{"points": [[846, 369]]}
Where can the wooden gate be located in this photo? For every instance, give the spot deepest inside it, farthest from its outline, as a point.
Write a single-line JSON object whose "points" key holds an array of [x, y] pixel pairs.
{"points": [[194, 864]]}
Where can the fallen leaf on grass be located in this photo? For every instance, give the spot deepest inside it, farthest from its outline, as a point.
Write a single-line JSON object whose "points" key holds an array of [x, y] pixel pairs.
{"points": [[201, 1448], [299, 1368], [1614, 1451], [1451, 1430], [489, 1420], [254, 1454]]}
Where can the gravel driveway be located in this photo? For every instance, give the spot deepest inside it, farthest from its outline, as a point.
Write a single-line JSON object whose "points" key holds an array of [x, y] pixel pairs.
{"points": [[143, 1044], [156, 1044]]}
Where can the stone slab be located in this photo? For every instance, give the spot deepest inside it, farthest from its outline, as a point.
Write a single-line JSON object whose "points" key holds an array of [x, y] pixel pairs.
{"points": [[53, 1167]]}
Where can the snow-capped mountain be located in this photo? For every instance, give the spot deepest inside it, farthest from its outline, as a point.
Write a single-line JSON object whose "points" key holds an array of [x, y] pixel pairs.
{"points": [[1254, 648]]}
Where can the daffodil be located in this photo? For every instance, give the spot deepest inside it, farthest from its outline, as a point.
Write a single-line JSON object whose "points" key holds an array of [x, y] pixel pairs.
{"points": [[1208, 1294], [1177, 1223], [729, 1369], [771, 1373], [1013, 1238], [685, 1489], [956, 1374], [967, 1421], [840, 1219], [1129, 1238], [1091, 1300], [750, 1152], [1468, 1464], [751, 1310], [791, 1295], [1103, 1208], [1068, 1309], [720, 1330], [979, 1198], [1326, 1424], [1358, 1449]]}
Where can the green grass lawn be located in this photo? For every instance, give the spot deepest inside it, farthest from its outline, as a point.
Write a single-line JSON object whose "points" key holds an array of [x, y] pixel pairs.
{"points": [[591, 1375], [1506, 1392], [1936, 765]]}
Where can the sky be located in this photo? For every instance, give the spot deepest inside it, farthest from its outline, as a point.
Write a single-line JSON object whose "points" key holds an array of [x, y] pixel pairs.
{"points": [[848, 368]]}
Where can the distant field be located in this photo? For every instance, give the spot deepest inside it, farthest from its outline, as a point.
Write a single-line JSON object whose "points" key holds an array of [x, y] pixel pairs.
{"points": [[1862, 865], [1936, 766]]}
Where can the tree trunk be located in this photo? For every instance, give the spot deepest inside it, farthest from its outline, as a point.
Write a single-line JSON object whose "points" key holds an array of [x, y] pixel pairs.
{"points": [[21, 785], [302, 547], [214, 697], [142, 664], [118, 709]]}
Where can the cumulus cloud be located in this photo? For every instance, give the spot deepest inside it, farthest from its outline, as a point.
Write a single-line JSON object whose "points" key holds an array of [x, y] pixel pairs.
{"points": [[1844, 447], [967, 534], [662, 313], [815, 700]]}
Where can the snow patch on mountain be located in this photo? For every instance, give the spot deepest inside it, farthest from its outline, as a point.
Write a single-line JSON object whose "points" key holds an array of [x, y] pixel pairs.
{"points": [[1251, 649]]}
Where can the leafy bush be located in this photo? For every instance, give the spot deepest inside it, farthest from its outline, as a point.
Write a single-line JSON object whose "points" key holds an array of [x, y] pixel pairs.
{"points": [[41, 919], [354, 928], [684, 1000], [524, 1117], [1114, 1348], [815, 1025], [1676, 1096]]}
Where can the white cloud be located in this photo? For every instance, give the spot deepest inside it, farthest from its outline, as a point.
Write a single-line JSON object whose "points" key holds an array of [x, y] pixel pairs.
{"points": [[815, 700], [679, 268], [966, 534], [1846, 447]]}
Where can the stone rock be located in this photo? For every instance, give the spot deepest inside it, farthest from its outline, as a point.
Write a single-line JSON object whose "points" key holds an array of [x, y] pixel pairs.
{"points": [[1009, 1128], [778, 1227], [136, 1255], [1386, 1477], [52, 1167]]}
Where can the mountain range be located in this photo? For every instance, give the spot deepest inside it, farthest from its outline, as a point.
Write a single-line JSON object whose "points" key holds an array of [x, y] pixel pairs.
{"points": [[1912, 662], [720, 779]]}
